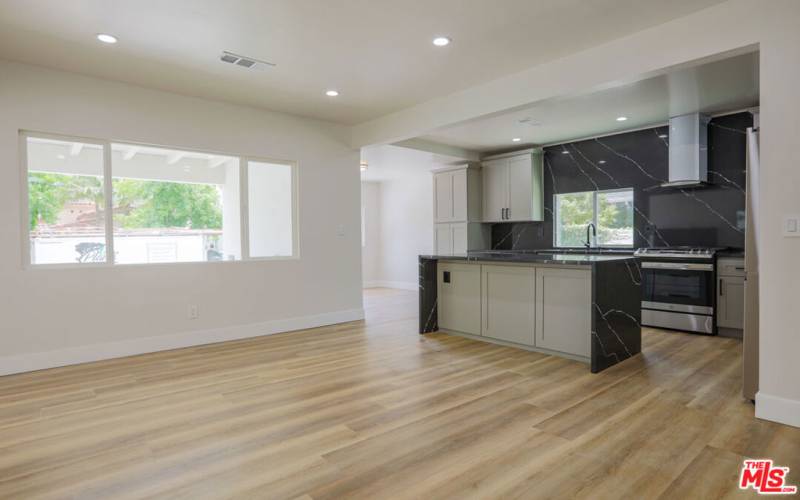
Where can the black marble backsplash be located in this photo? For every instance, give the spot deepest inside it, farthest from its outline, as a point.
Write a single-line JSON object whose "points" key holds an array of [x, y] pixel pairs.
{"points": [[710, 216]]}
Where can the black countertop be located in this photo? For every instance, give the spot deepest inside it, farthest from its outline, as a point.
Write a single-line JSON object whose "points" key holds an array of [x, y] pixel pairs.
{"points": [[577, 259], [731, 253]]}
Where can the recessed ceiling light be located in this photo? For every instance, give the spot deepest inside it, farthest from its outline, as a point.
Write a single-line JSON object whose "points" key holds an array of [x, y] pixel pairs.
{"points": [[622, 118], [565, 152], [516, 139], [601, 162], [663, 136], [364, 166], [331, 93], [106, 38], [441, 41]]}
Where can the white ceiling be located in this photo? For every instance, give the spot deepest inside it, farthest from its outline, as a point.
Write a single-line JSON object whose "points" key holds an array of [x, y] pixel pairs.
{"points": [[388, 163], [377, 53], [720, 86]]}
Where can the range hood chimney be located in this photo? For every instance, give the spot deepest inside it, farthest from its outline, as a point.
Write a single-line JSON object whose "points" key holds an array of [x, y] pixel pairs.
{"points": [[688, 151]]}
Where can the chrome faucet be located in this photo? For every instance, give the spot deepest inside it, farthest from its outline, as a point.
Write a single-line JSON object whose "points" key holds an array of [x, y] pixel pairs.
{"points": [[589, 242]]}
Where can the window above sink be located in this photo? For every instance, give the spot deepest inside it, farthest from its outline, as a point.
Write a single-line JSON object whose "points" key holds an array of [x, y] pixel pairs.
{"points": [[611, 212]]}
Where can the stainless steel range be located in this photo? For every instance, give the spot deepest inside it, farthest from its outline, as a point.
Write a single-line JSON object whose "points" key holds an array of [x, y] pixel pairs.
{"points": [[678, 288]]}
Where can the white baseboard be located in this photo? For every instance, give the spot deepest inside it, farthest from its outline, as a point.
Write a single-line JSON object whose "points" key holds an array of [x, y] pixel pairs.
{"points": [[401, 285], [96, 352], [777, 409]]}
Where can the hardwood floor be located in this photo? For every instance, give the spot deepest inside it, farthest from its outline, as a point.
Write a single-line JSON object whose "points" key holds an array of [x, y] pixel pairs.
{"points": [[373, 410]]}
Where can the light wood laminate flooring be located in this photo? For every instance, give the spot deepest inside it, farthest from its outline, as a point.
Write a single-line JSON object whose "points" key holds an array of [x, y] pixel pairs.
{"points": [[373, 410]]}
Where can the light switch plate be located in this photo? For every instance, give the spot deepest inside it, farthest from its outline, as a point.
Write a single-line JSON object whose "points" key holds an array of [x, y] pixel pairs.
{"points": [[791, 226]]}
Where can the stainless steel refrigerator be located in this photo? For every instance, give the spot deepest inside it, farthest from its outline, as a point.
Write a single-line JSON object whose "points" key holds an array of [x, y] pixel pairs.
{"points": [[750, 354]]}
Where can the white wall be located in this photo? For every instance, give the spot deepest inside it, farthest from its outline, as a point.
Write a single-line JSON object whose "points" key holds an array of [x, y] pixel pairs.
{"points": [[52, 317], [778, 397], [404, 206], [371, 251]]}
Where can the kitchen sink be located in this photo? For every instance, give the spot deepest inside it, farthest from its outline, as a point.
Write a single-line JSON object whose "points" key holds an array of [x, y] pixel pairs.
{"points": [[589, 251]]}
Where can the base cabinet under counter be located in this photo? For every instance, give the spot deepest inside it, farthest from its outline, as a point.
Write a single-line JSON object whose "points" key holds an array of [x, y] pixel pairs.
{"points": [[563, 310], [543, 307], [583, 307], [730, 293], [507, 298], [459, 296]]}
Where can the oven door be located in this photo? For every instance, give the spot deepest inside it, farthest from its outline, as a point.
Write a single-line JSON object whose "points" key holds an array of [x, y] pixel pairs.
{"points": [[678, 287]]}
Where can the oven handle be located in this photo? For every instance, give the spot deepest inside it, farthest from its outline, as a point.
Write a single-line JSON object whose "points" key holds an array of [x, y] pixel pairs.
{"points": [[679, 266]]}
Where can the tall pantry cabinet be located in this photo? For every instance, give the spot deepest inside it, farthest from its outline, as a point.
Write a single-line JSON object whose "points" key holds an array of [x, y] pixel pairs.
{"points": [[457, 210]]}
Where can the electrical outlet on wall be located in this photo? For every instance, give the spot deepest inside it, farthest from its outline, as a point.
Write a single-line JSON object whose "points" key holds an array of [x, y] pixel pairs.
{"points": [[193, 312], [791, 226]]}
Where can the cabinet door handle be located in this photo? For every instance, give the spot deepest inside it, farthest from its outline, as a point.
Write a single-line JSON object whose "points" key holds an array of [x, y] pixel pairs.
{"points": [[508, 213], [721, 290]]}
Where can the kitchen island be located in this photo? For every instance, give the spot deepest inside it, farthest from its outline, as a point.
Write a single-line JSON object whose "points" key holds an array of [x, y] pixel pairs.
{"points": [[582, 306]]}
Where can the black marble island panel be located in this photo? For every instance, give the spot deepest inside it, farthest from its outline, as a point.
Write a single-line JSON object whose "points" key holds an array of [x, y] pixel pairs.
{"points": [[616, 297], [428, 321], [616, 312]]}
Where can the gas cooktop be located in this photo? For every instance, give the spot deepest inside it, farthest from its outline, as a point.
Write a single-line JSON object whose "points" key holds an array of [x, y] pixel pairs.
{"points": [[706, 253]]}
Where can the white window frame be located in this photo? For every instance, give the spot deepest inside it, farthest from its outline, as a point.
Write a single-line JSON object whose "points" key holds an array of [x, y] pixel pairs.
{"points": [[244, 207], [244, 211], [595, 195]]}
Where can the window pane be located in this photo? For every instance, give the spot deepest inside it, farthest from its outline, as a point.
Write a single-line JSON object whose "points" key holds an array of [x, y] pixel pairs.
{"points": [[574, 212], [66, 201], [615, 218], [270, 209], [174, 206]]}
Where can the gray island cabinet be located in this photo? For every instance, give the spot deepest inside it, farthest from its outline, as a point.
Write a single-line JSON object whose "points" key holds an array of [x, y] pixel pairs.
{"points": [[584, 307]]}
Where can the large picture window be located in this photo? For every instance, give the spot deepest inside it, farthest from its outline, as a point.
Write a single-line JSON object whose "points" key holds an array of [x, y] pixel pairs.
{"points": [[66, 201], [610, 211], [174, 206], [117, 203]]}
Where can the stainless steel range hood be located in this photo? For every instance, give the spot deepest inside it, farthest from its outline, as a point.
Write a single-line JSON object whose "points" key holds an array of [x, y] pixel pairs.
{"points": [[688, 151]]}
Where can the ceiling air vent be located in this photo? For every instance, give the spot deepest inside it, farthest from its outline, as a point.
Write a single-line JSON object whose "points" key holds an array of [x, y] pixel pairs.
{"points": [[244, 61]]}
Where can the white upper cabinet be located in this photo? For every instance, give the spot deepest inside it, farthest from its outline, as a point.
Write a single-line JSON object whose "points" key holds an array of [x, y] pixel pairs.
{"points": [[495, 190], [443, 197], [459, 183], [456, 194], [520, 189], [513, 188]]}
